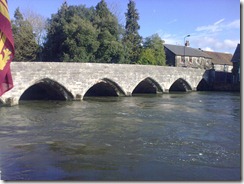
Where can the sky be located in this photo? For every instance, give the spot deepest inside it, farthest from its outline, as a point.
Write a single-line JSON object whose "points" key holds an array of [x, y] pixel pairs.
{"points": [[213, 25]]}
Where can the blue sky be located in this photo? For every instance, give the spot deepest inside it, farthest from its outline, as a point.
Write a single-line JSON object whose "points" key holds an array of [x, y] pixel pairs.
{"points": [[213, 24]]}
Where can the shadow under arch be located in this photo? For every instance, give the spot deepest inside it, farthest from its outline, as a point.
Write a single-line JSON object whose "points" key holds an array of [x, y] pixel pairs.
{"points": [[105, 87], [203, 86], [1, 102], [180, 85], [46, 89], [147, 86]]}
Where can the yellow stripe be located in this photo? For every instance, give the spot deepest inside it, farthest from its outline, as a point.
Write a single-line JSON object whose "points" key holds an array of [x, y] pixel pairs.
{"points": [[4, 10], [2, 41], [4, 2]]}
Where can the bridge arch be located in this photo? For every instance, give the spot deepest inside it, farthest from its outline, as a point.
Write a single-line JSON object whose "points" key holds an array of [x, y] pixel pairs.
{"points": [[46, 89], [180, 85], [148, 85], [105, 87], [203, 85]]}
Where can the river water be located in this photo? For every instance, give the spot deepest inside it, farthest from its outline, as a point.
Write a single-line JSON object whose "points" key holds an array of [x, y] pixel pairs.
{"points": [[179, 136]]}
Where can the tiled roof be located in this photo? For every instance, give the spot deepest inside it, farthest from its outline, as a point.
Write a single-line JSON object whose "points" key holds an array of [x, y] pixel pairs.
{"points": [[188, 51], [237, 55], [220, 58]]}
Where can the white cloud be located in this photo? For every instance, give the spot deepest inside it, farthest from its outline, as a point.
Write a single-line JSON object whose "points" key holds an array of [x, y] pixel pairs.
{"points": [[169, 38], [215, 27], [219, 36], [231, 43], [218, 22], [234, 24], [214, 44], [207, 49], [202, 41], [218, 26]]}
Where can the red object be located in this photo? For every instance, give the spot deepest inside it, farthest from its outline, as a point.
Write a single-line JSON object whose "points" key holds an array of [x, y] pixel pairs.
{"points": [[6, 48]]}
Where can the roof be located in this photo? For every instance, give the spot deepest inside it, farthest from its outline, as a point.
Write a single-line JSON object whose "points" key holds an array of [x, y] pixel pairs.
{"points": [[237, 56], [183, 50], [220, 58]]}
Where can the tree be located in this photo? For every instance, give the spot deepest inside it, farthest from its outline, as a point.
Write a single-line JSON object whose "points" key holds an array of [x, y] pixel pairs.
{"points": [[38, 23], [147, 57], [26, 48], [81, 34], [53, 47], [154, 46], [71, 36], [81, 42], [110, 49], [132, 39]]}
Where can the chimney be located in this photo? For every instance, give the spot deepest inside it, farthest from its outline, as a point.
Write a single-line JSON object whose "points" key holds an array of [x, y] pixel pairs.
{"points": [[187, 44]]}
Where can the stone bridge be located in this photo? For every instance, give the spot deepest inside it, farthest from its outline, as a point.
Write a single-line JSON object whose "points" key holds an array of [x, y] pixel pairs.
{"points": [[75, 81]]}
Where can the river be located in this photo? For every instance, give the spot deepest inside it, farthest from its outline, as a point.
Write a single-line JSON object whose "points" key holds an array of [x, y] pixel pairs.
{"points": [[180, 136]]}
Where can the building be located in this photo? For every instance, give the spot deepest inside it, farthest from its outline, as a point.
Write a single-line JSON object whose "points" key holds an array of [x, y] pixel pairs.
{"points": [[236, 64], [183, 56], [221, 61], [224, 69]]}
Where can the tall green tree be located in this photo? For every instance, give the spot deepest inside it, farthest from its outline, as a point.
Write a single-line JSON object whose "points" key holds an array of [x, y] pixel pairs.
{"points": [[111, 48], [153, 51], [53, 47], [26, 48], [81, 42], [71, 35], [132, 39]]}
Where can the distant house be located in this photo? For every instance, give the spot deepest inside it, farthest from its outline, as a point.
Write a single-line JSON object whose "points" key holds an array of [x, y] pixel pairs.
{"points": [[221, 61], [183, 56], [236, 64]]}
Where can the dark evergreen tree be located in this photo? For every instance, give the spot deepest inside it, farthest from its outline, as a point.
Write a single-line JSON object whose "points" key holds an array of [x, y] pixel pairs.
{"points": [[110, 49], [26, 48], [81, 36], [53, 47], [132, 39], [71, 35]]}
